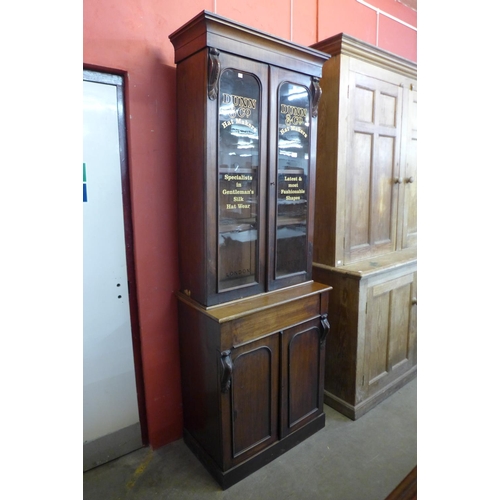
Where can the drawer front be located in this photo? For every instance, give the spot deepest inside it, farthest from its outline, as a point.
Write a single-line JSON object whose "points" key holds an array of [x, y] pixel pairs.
{"points": [[265, 322]]}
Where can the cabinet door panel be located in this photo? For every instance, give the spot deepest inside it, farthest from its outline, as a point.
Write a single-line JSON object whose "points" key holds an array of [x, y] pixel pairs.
{"points": [[236, 179], [373, 167], [253, 412], [388, 109], [377, 337], [302, 386], [390, 347], [382, 192], [410, 177], [364, 104], [292, 131], [239, 171], [359, 235]]}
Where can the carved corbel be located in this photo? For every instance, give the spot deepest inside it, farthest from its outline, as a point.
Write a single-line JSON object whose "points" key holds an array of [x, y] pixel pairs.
{"points": [[316, 96], [213, 72], [325, 329], [227, 371]]}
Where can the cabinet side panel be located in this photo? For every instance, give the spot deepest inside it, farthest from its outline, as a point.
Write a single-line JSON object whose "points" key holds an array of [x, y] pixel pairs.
{"points": [[200, 355], [341, 351], [326, 165], [192, 89]]}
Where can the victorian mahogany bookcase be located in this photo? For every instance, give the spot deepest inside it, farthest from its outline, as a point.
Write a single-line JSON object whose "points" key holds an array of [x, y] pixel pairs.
{"points": [[252, 322]]}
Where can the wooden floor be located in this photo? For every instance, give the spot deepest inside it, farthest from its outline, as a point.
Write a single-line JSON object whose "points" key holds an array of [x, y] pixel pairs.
{"points": [[406, 489]]}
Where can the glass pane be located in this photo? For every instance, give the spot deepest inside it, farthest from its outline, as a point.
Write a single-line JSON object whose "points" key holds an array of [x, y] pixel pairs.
{"points": [[293, 171], [239, 144]]}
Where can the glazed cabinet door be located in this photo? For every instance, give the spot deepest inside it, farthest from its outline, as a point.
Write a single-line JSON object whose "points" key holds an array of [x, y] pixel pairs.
{"points": [[237, 195], [390, 332], [373, 170], [246, 155], [222, 155], [250, 391], [301, 368], [292, 144]]}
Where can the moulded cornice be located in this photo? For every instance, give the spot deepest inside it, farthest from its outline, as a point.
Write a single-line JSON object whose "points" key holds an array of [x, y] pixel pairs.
{"points": [[348, 45], [211, 30]]}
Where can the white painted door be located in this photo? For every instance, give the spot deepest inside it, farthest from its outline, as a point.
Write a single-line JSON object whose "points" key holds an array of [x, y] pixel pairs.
{"points": [[111, 425]]}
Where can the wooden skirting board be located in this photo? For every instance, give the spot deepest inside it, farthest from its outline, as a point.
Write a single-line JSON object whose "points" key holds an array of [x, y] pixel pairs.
{"points": [[354, 412], [407, 488], [232, 476]]}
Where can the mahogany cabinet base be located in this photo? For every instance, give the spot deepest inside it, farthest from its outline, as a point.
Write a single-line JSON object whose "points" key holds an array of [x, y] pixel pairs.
{"points": [[232, 476], [356, 411]]}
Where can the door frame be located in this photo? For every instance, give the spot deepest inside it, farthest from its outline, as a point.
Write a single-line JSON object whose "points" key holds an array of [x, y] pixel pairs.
{"points": [[118, 80]]}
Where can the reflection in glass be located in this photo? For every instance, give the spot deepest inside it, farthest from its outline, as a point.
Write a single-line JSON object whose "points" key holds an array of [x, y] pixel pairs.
{"points": [[293, 171], [239, 143]]}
